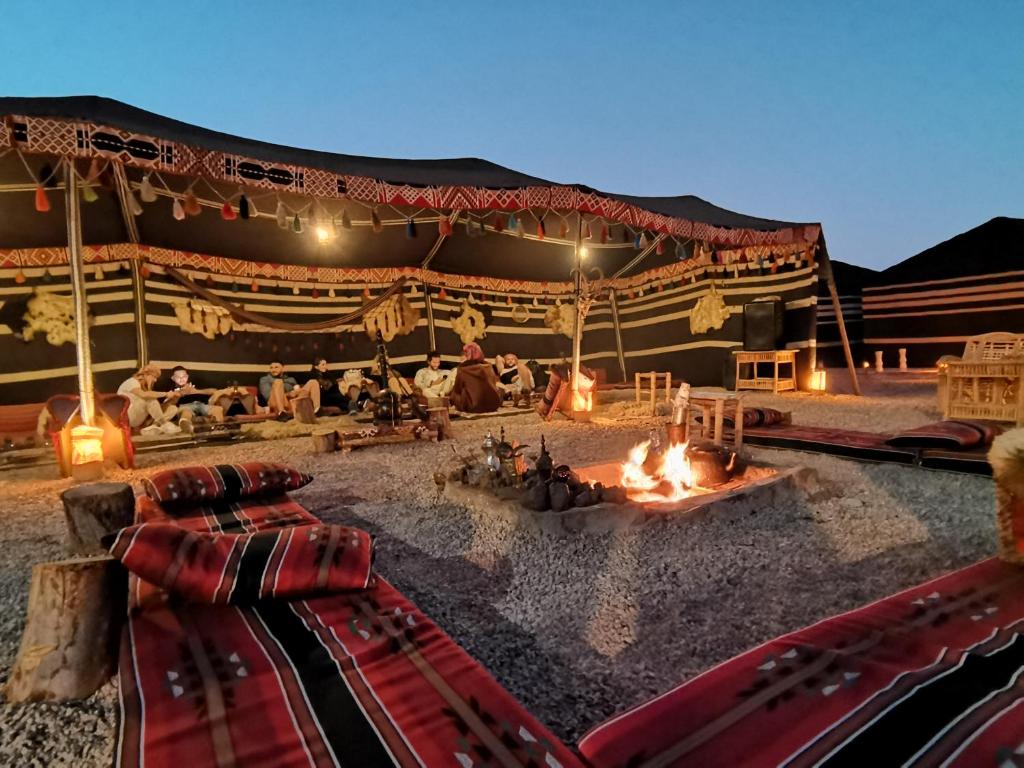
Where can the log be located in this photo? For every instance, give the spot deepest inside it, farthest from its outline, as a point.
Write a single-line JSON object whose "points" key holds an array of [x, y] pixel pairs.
{"points": [[69, 647], [440, 421], [95, 510], [325, 441], [303, 410]]}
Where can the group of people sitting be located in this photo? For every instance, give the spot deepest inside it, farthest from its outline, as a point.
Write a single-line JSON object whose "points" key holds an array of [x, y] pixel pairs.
{"points": [[473, 386]]}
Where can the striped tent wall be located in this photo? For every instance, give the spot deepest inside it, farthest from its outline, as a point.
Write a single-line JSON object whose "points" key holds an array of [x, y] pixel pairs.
{"points": [[33, 370], [654, 315], [656, 333], [931, 318], [850, 281]]}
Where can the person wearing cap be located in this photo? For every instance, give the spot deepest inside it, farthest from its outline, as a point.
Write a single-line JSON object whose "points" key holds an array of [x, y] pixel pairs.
{"points": [[144, 403]]}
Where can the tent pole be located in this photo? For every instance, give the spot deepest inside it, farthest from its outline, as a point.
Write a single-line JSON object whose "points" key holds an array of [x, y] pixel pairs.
{"points": [[837, 307], [139, 295], [614, 299], [430, 316], [82, 349], [577, 330]]}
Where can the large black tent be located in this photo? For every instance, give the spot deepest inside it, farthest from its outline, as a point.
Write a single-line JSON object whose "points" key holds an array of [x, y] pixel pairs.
{"points": [[303, 235], [931, 303], [850, 281]]}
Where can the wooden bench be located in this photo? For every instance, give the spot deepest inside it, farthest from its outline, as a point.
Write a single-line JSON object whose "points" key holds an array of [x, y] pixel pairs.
{"points": [[986, 382]]}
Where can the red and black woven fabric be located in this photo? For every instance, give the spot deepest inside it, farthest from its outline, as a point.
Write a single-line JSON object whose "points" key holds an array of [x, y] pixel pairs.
{"points": [[754, 417], [242, 568], [836, 442], [357, 678], [930, 676], [947, 435], [187, 486]]}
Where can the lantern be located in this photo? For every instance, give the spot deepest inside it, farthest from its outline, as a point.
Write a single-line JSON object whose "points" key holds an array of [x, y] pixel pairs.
{"points": [[86, 453]]}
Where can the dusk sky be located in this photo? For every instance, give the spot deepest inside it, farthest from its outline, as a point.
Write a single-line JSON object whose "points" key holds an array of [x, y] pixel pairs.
{"points": [[896, 125]]}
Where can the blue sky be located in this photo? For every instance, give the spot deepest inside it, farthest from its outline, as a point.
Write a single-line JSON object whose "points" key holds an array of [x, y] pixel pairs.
{"points": [[896, 125]]}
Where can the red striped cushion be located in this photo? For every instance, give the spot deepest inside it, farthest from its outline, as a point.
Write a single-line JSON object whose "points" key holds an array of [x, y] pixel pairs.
{"points": [[244, 568], [191, 485]]}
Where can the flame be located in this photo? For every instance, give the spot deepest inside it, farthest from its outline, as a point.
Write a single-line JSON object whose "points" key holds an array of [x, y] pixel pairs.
{"points": [[86, 444], [583, 394], [674, 472]]}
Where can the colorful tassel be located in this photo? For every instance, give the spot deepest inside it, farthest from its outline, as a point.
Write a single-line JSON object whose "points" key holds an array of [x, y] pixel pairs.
{"points": [[442, 294], [644, 242], [281, 214], [315, 293], [346, 222], [47, 277], [254, 286], [541, 231], [19, 278], [42, 201], [444, 226], [210, 281], [234, 286], [481, 229], [520, 229], [375, 222], [191, 204], [331, 293], [660, 247], [227, 212], [295, 290], [243, 207], [146, 191], [508, 300], [177, 211], [498, 222], [636, 242], [144, 271], [603, 233], [410, 229], [98, 274], [89, 194], [513, 225], [297, 224], [680, 251], [563, 230]]}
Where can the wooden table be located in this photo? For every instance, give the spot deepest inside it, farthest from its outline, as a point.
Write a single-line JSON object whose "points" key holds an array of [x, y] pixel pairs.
{"points": [[711, 407], [774, 383]]}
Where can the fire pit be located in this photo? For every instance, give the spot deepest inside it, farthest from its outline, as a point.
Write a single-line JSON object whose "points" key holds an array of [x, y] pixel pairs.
{"points": [[648, 486]]}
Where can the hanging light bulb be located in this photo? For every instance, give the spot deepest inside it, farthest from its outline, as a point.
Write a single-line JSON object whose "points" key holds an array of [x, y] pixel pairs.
{"points": [[323, 234], [89, 194], [281, 214], [146, 191]]}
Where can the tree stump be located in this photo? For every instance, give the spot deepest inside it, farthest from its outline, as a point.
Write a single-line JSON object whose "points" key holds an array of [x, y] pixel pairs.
{"points": [[302, 408], [325, 441], [95, 510], [69, 647], [439, 420]]}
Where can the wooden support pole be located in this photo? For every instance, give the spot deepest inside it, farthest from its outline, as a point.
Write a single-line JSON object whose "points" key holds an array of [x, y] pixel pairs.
{"points": [[430, 315], [826, 265], [614, 300], [83, 353], [139, 297]]}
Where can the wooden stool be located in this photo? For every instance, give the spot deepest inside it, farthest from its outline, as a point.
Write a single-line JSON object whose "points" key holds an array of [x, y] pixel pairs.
{"points": [[653, 378], [711, 407]]}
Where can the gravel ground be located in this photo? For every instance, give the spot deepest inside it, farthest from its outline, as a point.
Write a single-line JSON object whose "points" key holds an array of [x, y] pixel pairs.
{"points": [[577, 628]]}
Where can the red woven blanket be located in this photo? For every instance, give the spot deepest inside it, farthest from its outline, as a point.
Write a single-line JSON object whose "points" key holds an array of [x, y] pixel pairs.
{"points": [[931, 676]]}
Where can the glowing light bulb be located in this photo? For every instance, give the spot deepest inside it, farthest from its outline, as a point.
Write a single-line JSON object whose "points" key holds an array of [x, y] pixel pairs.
{"points": [[322, 234], [583, 254]]}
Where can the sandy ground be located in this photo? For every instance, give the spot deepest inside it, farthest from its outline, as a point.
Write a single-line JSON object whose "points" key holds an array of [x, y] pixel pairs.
{"points": [[578, 628]]}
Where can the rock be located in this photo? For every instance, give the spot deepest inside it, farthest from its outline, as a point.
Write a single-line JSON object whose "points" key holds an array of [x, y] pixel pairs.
{"points": [[585, 499], [851, 502], [615, 495], [560, 497]]}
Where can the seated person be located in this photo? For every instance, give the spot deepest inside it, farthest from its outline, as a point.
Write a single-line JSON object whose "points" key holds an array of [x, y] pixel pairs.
{"points": [[144, 405], [475, 389], [281, 392], [191, 400], [431, 381], [515, 377], [330, 391]]}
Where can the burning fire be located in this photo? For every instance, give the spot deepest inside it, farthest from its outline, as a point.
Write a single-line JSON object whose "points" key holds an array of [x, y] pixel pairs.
{"points": [[583, 394], [671, 481]]}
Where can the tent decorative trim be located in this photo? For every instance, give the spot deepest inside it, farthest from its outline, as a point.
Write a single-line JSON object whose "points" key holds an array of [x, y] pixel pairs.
{"points": [[70, 138]]}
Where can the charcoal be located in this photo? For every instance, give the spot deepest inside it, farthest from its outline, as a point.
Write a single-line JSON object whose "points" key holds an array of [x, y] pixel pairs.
{"points": [[560, 497], [536, 498], [615, 495], [585, 499]]}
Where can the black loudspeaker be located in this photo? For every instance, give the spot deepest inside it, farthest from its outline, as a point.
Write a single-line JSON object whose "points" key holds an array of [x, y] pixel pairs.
{"points": [[762, 325], [729, 373]]}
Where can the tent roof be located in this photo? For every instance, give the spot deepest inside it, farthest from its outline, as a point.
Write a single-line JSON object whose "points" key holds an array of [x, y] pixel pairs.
{"points": [[995, 246]]}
